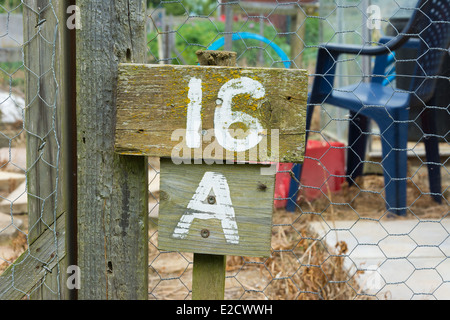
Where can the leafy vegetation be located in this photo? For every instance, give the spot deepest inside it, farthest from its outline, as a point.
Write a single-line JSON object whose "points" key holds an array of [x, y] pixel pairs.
{"points": [[12, 75], [9, 5], [199, 33], [196, 7]]}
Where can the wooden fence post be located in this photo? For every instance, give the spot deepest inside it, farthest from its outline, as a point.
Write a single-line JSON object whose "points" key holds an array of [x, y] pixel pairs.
{"points": [[44, 122], [112, 189], [40, 272], [208, 274], [297, 44]]}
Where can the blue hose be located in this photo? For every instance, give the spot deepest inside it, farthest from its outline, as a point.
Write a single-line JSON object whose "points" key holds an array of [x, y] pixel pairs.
{"points": [[247, 35]]}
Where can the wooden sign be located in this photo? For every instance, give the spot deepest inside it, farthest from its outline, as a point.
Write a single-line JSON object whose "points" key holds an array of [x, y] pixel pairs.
{"points": [[209, 112], [215, 209], [227, 119]]}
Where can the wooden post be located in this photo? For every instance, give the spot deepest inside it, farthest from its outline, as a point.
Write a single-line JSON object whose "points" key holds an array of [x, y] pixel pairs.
{"points": [[297, 44], [208, 274], [229, 15], [41, 270], [208, 277], [112, 189], [44, 122], [261, 44]]}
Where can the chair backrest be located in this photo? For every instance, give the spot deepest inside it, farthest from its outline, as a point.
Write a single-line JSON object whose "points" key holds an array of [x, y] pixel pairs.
{"points": [[431, 25]]}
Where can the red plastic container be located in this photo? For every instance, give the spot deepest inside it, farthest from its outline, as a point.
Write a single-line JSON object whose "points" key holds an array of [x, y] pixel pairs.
{"points": [[324, 169], [282, 182]]}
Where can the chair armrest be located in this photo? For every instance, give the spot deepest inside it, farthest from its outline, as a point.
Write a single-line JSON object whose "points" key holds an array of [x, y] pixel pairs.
{"points": [[386, 45], [327, 59], [412, 43], [336, 49], [329, 53]]}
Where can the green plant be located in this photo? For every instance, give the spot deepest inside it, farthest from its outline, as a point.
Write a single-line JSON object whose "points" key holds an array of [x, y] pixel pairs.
{"points": [[12, 75], [199, 33], [8, 5], [197, 7]]}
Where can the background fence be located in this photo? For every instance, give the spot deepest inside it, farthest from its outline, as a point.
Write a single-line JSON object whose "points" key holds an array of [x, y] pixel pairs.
{"points": [[333, 237]]}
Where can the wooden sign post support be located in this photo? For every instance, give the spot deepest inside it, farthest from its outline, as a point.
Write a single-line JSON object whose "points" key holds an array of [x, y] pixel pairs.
{"points": [[208, 274]]}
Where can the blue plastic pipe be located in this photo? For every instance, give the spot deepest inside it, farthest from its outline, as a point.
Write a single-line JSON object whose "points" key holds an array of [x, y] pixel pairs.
{"points": [[248, 35]]}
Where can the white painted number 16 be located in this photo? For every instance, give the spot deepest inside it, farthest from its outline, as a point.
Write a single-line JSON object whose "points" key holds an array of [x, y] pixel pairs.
{"points": [[224, 117], [215, 184]]}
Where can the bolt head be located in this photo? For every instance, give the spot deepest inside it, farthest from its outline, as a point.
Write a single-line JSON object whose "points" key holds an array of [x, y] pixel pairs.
{"points": [[211, 200], [204, 233]]}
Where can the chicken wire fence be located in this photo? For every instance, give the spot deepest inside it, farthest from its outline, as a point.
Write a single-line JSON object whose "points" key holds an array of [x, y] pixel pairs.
{"points": [[333, 235]]}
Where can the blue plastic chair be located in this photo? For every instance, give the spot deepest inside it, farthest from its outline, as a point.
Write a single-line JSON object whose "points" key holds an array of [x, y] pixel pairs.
{"points": [[387, 106]]}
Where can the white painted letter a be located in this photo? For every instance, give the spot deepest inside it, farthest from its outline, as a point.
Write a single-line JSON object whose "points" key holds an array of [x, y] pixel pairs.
{"points": [[212, 185]]}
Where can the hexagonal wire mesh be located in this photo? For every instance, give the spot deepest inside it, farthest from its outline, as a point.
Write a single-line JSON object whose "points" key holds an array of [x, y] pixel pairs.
{"points": [[332, 236], [30, 106], [339, 230]]}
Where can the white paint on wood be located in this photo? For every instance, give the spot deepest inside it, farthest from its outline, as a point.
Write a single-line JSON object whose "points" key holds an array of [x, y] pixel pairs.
{"points": [[224, 117], [212, 184], [194, 120]]}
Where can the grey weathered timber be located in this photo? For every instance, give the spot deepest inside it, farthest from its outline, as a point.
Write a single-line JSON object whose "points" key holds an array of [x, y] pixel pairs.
{"points": [[153, 102], [251, 196], [297, 44], [42, 262], [208, 277], [44, 121], [112, 189]]}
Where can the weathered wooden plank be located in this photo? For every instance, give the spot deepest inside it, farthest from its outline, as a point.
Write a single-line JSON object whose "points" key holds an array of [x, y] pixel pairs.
{"points": [[41, 262], [215, 209], [42, 101], [154, 101], [208, 277], [44, 123], [112, 189]]}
